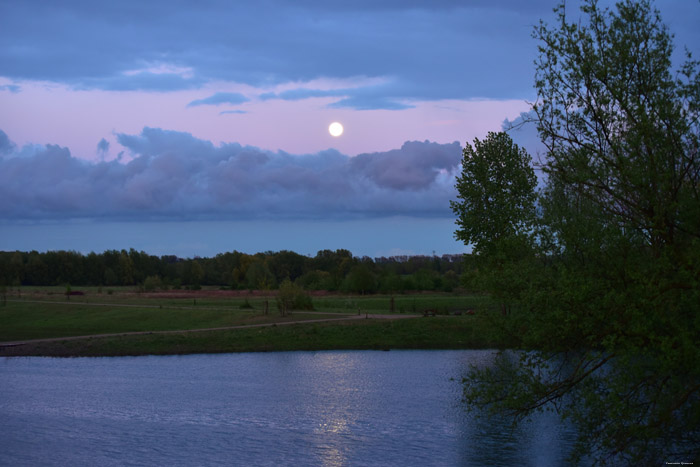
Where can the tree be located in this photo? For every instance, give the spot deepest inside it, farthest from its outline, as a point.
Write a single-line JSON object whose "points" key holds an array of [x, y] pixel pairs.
{"points": [[496, 212], [360, 280], [126, 268], [152, 283], [196, 273], [258, 275], [613, 302], [292, 297], [496, 192]]}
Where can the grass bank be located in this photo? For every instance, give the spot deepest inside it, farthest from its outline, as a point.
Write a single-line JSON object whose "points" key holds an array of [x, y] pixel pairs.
{"points": [[42, 314], [377, 334]]}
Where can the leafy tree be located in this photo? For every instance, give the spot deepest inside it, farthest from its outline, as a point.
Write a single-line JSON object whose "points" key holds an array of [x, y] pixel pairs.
{"points": [[496, 212], [360, 280], [36, 272], [126, 268], [196, 275], [495, 191], [152, 283], [315, 280], [426, 279], [338, 263], [390, 283], [258, 275], [17, 267], [292, 297], [110, 277], [612, 302], [287, 264]]}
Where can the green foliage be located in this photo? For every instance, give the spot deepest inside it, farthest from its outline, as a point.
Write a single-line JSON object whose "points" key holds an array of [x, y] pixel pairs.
{"points": [[152, 283], [360, 280], [292, 297], [196, 273], [258, 276], [316, 280], [496, 213], [328, 270], [126, 269], [496, 192], [609, 290]]}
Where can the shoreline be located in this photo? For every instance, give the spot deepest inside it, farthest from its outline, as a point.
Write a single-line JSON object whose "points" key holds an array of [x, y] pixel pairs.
{"points": [[358, 333]]}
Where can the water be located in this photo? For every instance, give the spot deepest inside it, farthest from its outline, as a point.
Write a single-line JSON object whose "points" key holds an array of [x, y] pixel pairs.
{"points": [[351, 408]]}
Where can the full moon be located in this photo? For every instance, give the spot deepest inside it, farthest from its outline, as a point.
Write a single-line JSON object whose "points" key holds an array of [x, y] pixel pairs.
{"points": [[335, 129]]}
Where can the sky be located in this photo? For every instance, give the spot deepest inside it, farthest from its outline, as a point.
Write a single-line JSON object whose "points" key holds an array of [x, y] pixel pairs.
{"points": [[195, 128]]}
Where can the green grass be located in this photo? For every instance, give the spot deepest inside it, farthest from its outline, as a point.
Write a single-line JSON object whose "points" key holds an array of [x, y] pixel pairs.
{"points": [[28, 320], [458, 332], [41, 313], [414, 303], [332, 303]]}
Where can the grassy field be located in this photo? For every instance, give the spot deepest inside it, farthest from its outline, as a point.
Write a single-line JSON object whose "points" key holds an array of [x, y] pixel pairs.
{"points": [[223, 299], [35, 320], [41, 313]]}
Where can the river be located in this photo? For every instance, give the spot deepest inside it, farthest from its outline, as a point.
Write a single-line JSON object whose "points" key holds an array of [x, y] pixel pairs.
{"points": [[354, 408]]}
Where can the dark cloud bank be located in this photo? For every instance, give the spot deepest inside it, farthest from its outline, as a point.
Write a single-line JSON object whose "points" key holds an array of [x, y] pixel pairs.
{"points": [[424, 49], [174, 175]]}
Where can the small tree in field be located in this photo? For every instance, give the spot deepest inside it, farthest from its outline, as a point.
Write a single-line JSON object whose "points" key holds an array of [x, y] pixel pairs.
{"points": [[152, 283], [292, 297]]}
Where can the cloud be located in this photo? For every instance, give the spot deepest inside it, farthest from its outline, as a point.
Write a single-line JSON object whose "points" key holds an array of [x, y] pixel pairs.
{"points": [[142, 81], [239, 112], [303, 93], [431, 50], [413, 167], [102, 148], [523, 131], [359, 98], [173, 175], [220, 98], [6, 146], [370, 103], [13, 88]]}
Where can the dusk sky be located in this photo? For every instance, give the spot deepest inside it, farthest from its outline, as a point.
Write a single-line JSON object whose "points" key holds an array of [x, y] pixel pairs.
{"points": [[194, 128]]}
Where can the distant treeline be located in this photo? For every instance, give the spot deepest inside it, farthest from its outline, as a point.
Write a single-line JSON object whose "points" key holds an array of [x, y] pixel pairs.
{"points": [[329, 270]]}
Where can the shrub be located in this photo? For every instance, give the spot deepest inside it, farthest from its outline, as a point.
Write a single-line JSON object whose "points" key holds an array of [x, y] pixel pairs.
{"points": [[292, 297]]}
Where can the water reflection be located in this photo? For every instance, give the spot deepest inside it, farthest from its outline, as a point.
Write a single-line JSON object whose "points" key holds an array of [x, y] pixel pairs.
{"points": [[336, 414], [543, 440], [300, 408]]}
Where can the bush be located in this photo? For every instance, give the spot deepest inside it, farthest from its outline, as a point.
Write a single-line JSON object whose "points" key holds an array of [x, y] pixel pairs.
{"points": [[152, 283], [292, 297]]}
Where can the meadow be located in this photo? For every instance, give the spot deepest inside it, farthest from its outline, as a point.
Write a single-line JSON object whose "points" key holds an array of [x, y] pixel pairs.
{"points": [[179, 322]]}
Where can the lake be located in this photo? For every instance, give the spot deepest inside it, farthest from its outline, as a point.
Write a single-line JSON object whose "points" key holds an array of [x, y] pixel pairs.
{"points": [[337, 408]]}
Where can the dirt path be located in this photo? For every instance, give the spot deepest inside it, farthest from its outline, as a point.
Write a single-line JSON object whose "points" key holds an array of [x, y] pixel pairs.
{"points": [[343, 317], [125, 305]]}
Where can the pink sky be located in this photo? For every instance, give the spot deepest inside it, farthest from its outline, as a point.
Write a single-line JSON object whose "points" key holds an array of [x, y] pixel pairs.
{"points": [[45, 113]]}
